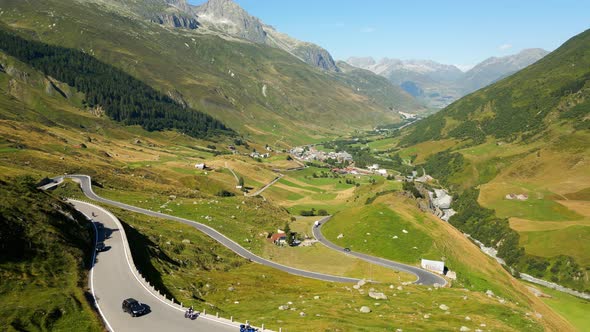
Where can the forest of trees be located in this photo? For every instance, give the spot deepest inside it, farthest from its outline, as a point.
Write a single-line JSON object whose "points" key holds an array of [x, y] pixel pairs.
{"points": [[123, 97]]}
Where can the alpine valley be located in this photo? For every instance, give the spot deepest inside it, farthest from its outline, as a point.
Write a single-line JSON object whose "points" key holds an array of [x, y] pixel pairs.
{"points": [[192, 156]]}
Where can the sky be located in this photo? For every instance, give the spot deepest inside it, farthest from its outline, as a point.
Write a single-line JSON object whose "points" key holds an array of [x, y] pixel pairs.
{"points": [[462, 33]]}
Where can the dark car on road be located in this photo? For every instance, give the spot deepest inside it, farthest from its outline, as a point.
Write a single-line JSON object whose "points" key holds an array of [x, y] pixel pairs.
{"points": [[347, 249], [134, 308], [101, 247], [247, 328]]}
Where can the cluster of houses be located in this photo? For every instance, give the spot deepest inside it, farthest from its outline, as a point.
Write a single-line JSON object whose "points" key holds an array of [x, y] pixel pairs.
{"points": [[373, 169], [518, 197], [255, 154], [312, 154]]}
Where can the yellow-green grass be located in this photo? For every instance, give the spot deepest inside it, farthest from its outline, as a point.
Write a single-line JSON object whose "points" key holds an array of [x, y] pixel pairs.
{"points": [[539, 206], [423, 150], [573, 309], [376, 229], [30, 288], [552, 171], [384, 144], [318, 257], [243, 219], [209, 271], [572, 241]]}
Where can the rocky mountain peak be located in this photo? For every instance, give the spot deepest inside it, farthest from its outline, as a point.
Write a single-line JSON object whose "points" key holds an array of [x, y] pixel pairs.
{"points": [[181, 5], [229, 17]]}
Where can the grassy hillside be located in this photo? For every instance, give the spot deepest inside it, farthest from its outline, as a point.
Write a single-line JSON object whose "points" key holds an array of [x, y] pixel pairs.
{"points": [[254, 89], [527, 134], [553, 90], [44, 259]]}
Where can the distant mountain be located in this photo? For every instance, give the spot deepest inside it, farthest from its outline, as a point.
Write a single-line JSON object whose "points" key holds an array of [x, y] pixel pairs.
{"points": [[379, 89], [432, 82], [494, 68], [228, 17], [437, 84], [552, 90]]}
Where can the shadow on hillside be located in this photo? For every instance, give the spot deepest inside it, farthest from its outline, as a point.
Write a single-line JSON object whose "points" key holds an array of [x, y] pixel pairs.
{"points": [[143, 250]]}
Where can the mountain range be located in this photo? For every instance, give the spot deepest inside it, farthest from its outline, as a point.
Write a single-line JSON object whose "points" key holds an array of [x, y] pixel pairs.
{"points": [[227, 19], [188, 53], [437, 84]]}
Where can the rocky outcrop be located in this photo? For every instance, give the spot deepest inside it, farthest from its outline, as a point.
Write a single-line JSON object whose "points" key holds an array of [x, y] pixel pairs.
{"points": [[232, 19], [316, 56], [176, 21], [229, 17]]}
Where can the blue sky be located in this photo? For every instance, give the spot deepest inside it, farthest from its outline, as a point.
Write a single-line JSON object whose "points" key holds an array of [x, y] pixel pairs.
{"points": [[454, 32]]}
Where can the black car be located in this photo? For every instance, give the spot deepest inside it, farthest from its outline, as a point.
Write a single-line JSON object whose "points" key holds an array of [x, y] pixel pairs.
{"points": [[100, 247], [347, 249], [134, 308], [247, 328]]}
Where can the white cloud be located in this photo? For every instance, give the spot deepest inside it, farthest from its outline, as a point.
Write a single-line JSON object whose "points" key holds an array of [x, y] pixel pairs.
{"points": [[368, 29], [505, 47]]}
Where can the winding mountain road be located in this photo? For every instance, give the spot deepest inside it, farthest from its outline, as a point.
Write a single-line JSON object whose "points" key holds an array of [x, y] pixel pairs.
{"points": [[86, 185], [423, 277], [113, 278]]}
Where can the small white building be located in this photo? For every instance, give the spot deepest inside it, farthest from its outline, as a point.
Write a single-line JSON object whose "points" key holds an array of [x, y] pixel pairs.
{"points": [[382, 172], [373, 167], [200, 166], [434, 266]]}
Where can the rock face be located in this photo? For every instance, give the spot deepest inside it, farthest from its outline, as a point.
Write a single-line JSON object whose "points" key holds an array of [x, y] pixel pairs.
{"points": [[227, 18], [232, 19], [176, 21], [316, 56]]}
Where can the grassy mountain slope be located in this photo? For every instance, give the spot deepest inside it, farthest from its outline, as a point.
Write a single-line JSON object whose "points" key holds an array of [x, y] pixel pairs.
{"points": [[379, 89], [553, 90], [44, 257], [527, 134], [254, 89]]}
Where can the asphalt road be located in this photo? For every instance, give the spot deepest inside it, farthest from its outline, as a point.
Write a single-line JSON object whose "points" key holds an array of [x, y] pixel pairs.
{"points": [[423, 277], [265, 187], [112, 280], [85, 184]]}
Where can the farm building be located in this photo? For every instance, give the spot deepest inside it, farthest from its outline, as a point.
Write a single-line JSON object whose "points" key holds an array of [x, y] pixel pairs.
{"points": [[278, 238], [434, 266]]}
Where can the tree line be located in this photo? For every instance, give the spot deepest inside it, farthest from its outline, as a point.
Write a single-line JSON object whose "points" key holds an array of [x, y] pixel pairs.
{"points": [[124, 98]]}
